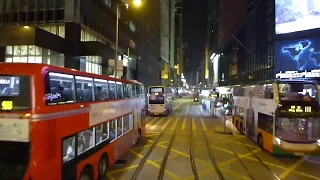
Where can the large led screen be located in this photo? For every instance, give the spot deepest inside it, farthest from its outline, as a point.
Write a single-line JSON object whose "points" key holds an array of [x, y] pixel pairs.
{"points": [[299, 55], [297, 15]]}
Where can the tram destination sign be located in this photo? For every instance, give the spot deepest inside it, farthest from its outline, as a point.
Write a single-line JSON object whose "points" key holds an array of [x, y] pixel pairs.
{"points": [[297, 74]]}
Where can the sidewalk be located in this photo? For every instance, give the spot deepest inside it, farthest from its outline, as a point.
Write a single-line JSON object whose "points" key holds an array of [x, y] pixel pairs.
{"points": [[218, 118]]}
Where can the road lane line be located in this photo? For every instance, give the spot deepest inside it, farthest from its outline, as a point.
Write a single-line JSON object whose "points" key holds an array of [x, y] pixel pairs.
{"points": [[194, 127], [123, 169], [306, 175], [170, 174], [156, 124], [183, 127], [205, 129], [163, 142], [222, 149], [109, 176], [291, 168], [166, 124], [151, 122], [174, 124], [151, 135]]}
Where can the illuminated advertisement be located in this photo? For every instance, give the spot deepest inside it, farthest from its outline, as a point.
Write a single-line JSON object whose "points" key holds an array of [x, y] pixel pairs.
{"points": [[296, 15], [298, 58]]}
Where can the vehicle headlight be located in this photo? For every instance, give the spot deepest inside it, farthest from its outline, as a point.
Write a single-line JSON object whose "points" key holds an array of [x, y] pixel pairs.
{"points": [[318, 142], [278, 140]]}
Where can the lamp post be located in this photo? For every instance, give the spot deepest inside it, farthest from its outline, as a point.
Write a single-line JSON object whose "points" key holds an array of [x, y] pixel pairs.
{"points": [[136, 3]]}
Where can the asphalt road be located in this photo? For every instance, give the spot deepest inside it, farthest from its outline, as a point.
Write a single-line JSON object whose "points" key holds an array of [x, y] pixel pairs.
{"points": [[186, 145]]}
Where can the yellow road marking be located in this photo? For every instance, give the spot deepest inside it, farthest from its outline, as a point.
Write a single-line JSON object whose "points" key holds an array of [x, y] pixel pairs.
{"points": [[222, 149], [175, 124], [170, 174], [290, 169], [163, 142], [241, 156], [307, 175], [194, 127], [203, 125], [141, 147], [151, 122], [166, 124], [249, 145], [109, 176], [155, 125], [151, 135], [236, 159], [123, 169], [183, 127]]}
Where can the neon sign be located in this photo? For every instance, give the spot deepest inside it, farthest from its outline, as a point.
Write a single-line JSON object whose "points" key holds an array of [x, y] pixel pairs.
{"points": [[299, 109], [4, 81], [6, 105], [296, 74]]}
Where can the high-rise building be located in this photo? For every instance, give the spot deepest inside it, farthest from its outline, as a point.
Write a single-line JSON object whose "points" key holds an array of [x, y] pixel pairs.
{"points": [[81, 34], [249, 55], [165, 42], [149, 65]]}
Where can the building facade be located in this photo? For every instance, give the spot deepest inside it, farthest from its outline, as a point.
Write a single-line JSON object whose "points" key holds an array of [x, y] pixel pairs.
{"points": [[249, 55], [165, 42], [75, 34], [150, 63]]}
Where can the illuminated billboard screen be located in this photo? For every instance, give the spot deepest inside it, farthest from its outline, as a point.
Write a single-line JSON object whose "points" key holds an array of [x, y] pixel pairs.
{"points": [[296, 15], [298, 56]]}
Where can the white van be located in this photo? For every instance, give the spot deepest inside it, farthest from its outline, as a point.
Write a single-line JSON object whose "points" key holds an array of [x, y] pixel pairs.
{"points": [[159, 102]]}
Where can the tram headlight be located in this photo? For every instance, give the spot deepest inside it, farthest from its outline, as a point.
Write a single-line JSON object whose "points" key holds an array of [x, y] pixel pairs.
{"points": [[318, 142], [278, 140]]}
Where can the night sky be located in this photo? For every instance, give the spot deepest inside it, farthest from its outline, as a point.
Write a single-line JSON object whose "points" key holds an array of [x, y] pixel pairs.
{"points": [[194, 33]]}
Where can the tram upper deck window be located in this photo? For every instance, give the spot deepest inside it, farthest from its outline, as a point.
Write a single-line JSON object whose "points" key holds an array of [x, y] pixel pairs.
{"points": [[298, 92]]}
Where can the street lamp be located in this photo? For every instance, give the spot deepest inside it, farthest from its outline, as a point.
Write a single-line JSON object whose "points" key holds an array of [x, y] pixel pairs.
{"points": [[135, 3]]}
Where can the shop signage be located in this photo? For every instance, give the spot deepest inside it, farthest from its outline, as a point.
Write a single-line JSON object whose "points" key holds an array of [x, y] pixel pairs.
{"points": [[297, 74]]}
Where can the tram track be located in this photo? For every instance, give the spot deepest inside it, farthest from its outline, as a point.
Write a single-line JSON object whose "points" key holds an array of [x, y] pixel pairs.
{"points": [[211, 156], [191, 153], [252, 153], [153, 146], [166, 156]]}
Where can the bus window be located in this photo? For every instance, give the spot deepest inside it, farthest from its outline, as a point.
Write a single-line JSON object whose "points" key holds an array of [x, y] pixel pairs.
{"points": [[265, 122], [298, 92], [138, 90], [126, 90], [101, 89], [297, 129], [85, 140], [102, 132], [156, 95], [239, 111], [84, 89], [60, 89], [68, 149], [119, 90], [112, 130], [15, 93], [133, 90], [126, 126], [112, 89], [119, 127]]}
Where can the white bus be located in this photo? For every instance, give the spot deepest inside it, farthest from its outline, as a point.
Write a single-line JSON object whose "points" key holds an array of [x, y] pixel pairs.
{"points": [[159, 101], [282, 116]]}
